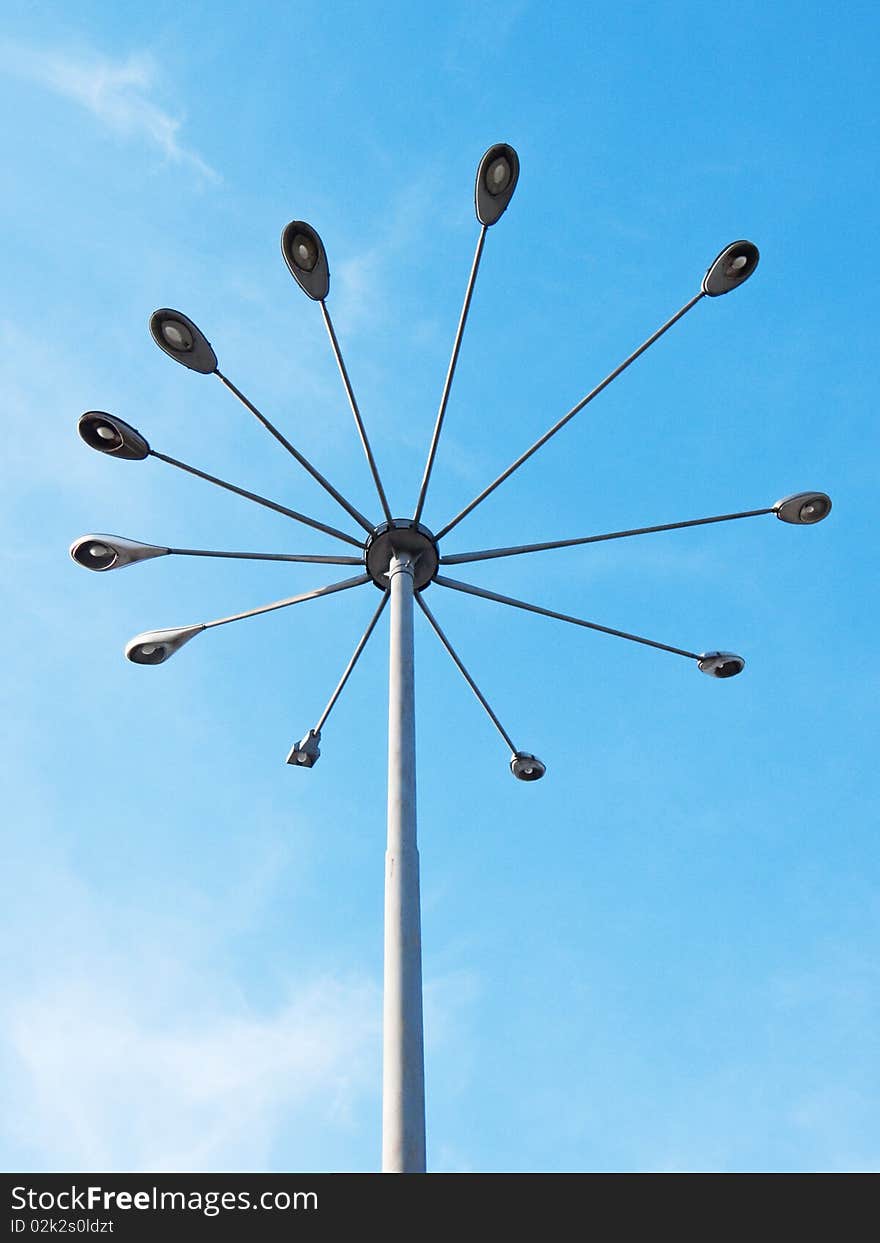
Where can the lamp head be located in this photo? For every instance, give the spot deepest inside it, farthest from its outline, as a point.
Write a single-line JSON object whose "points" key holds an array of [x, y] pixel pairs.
{"points": [[154, 647], [111, 552], [497, 175], [109, 434], [803, 508], [526, 767], [306, 258], [182, 340], [735, 264], [306, 752], [721, 664]]}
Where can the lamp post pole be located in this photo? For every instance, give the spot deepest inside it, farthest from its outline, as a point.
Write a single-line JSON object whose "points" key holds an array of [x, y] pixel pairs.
{"points": [[403, 1058]]}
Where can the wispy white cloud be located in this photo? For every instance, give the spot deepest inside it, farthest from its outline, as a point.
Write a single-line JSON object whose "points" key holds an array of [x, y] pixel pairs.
{"points": [[103, 1084], [120, 94], [128, 1044], [362, 283]]}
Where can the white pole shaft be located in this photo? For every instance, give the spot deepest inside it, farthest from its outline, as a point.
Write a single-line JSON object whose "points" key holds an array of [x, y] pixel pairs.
{"points": [[403, 1058]]}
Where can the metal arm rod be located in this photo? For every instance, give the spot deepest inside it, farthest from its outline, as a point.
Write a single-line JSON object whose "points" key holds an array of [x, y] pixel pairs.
{"points": [[351, 664], [487, 554], [260, 500], [303, 461], [450, 373], [464, 673], [352, 401], [575, 621], [267, 556], [572, 412], [283, 604]]}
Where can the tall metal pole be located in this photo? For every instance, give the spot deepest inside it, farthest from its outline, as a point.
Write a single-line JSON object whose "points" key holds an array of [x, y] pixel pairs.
{"points": [[403, 1057]]}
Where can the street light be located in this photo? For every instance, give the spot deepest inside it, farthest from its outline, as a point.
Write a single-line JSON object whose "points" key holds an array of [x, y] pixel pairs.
{"points": [[111, 435], [306, 258], [804, 508], [721, 664], [497, 175], [112, 552], [306, 752], [183, 341], [403, 558], [734, 265], [154, 647], [526, 767]]}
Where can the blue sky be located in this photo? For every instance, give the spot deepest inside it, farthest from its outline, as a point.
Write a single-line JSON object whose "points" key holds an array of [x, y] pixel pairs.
{"points": [[664, 955]]}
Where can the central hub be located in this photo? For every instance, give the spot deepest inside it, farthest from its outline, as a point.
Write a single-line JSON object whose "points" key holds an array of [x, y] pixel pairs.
{"points": [[402, 535]]}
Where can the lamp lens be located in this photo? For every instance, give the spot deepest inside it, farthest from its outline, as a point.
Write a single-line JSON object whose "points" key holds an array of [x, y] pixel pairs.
{"points": [[149, 654], [527, 768], [814, 510], [106, 433], [177, 335], [728, 669], [498, 176], [305, 252], [736, 265], [94, 555]]}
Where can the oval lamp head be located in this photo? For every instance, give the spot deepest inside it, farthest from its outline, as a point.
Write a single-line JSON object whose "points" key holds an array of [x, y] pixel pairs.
{"points": [[803, 508], [304, 254], [721, 664], [112, 552], [306, 752], [154, 647], [108, 434], [497, 175], [735, 264], [526, 767], [182, 340]]}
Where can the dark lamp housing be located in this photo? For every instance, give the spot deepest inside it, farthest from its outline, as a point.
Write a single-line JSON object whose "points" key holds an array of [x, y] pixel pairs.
{"points": [[497, 176], [306, 752], [306, 258], [803, 508], [112, 552], [526, 767], [177, 336], [721, 664], [154, 647], [735, 264], [108, 434]]}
